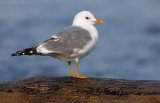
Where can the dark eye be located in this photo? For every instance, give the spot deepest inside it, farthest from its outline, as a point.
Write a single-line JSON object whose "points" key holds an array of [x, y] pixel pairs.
{"points": [[87, 17]]}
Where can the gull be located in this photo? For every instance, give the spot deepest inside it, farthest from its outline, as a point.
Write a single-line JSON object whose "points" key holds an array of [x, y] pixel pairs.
{"points": [[69, 44]]}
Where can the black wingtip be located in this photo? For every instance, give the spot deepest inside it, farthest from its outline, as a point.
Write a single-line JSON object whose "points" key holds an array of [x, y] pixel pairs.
{"points": [[13, 54], [28, 51]]}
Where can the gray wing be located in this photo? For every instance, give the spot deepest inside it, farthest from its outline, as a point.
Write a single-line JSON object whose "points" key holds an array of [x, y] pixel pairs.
{"points": [[65, 41]]}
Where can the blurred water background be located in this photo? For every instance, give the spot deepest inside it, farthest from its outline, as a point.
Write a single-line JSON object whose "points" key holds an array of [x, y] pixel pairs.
{"points": [[128, 46]]}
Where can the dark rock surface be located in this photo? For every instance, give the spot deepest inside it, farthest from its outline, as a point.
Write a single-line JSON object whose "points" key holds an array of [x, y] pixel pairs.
{"points": [[73, 90]]}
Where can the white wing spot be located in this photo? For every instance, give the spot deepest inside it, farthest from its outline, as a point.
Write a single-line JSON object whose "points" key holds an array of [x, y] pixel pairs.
{"points": [[43, 50], [23, 53], [55, 38], [31, 51]]}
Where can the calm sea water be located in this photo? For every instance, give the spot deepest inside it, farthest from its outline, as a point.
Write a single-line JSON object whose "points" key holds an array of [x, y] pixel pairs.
{"points": [[128, 46]]}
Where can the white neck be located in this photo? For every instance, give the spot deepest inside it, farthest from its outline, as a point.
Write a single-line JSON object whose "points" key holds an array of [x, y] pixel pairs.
{"points": [[91, 28]]}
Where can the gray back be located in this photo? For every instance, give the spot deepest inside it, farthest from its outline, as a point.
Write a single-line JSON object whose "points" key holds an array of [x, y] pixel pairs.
{"points": [[67, 40]]}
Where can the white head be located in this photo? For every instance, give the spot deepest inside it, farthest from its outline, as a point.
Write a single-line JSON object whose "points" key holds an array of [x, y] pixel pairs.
{"points": [[85, 18]]}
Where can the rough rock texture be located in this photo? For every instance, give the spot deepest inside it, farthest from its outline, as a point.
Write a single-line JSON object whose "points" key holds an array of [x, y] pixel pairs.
{"points": [[73, 90]]}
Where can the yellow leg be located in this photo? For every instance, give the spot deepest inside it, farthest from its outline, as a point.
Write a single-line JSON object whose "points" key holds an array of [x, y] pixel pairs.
{"points": [[77, 75], [70, 72]]}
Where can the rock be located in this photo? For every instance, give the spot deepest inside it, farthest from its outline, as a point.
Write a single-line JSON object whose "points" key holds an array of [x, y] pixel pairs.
{"points": [[73, 90]]}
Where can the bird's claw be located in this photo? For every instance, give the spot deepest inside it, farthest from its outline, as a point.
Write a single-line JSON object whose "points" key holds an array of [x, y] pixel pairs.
{"points": [[72, 76], [77, 76], [82, 77]]}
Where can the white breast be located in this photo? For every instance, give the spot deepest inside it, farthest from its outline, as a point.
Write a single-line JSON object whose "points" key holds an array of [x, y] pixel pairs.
{"points": [[79, 53]]}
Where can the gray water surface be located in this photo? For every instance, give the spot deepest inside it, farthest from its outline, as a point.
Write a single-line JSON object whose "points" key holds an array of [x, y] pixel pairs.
{"points": [[128, 45]]}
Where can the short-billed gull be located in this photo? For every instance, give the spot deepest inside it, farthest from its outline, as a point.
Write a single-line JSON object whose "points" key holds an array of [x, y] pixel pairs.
{"points": [[70, 44]]}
